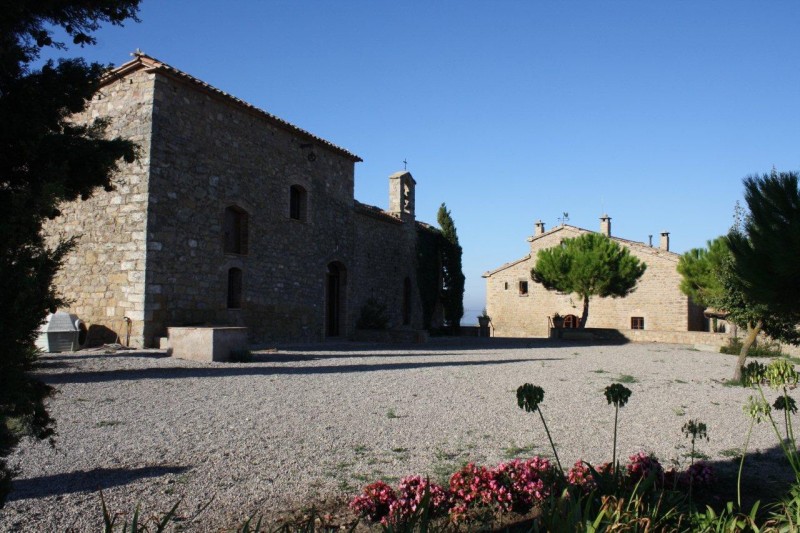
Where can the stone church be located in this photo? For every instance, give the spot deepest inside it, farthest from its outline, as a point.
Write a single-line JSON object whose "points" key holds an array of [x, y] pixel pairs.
{"points": [[519, 307], [230, 216]]}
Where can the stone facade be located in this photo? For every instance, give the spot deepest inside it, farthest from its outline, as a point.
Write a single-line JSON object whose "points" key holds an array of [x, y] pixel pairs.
{"points": [[519, 307], [231, 216]]}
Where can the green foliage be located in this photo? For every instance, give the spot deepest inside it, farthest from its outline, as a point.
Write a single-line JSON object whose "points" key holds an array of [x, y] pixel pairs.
{"points": [[617, 394], [710, 278], [45, 160], [761, 349], [700, 270], [373, 315], [429, 271], [528, 398], [767, 252], [136, 525], [452, 274], [588, 265]]}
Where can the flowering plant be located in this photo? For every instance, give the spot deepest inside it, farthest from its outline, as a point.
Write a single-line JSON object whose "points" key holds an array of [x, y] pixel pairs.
{"points": [[411, 495], [374, 503], [643, 465]]}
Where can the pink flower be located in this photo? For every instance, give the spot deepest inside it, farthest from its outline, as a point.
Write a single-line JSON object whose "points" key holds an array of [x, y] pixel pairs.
{"points": [[700, 475], [411, 492], [375, 502], [642, 465]]}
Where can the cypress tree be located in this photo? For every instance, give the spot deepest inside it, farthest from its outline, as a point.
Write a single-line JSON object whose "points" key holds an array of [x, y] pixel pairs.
{"points": [[452, 275]]}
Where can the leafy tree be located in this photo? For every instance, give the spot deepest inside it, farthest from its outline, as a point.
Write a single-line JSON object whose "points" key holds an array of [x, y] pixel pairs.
{"points": [[452, 275], [45, 159], [589, 265], [709, 278], [767, 253]]}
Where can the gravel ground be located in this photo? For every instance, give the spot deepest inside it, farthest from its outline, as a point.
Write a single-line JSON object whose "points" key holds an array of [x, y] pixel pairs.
{"points": [[304, 423]]}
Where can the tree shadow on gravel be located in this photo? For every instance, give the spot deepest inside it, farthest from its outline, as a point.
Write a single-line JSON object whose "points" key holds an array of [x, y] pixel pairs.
{"points": [[766, 477], [250, 369], [97, 355], [85, 481]]}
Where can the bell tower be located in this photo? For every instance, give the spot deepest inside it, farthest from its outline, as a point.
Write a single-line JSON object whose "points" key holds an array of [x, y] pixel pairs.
{"points": [[401, 195]]}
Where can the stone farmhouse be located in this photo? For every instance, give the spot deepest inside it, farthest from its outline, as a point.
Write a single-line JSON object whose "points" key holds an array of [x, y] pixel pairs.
{"points": [[231, 216], [519, 307]]}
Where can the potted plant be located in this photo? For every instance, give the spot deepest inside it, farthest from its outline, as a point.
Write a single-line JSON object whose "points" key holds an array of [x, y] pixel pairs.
{"points": [[483, 323], [558, 321]]}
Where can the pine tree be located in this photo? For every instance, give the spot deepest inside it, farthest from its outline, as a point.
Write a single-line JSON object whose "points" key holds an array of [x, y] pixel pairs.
{"points": [[45, 159], [588, 265]]}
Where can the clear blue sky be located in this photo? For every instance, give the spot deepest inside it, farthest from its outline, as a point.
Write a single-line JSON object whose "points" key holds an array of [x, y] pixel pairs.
{"points": [[510, 111]]}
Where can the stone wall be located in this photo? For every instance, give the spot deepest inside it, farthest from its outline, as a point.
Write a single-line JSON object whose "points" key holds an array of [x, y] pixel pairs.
{"points": [[104, 276], [382, 239], [154, 251], [208, 154], [657, 298]]}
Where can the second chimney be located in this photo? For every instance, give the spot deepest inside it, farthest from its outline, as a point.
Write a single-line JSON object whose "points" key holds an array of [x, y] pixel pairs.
{"points": [[664, 241], [605, 225], [538, 228]]}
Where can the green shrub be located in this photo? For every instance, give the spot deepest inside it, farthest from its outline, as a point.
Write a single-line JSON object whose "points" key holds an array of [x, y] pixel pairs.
{"points": [[373, 315], [766, 349]]}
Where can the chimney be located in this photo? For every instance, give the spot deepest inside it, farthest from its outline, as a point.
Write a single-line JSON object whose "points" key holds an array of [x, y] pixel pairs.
{"points": [[605, 225], [664, 241], [538, 228]]}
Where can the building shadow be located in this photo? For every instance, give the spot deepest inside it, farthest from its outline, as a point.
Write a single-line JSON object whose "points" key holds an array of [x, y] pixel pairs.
{"points": [[448, 344], [220, 370], [85, 481], [100, 355]]}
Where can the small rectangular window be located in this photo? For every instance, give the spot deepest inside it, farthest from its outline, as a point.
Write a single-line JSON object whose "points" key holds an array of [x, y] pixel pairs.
{"points": [[637, 322], [505, 286], [523, 288], [297, 202]]}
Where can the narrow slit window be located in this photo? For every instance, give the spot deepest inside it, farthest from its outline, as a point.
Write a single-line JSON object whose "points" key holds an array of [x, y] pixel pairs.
{"points": [[235, 227], [298, 200], [234, 288]]}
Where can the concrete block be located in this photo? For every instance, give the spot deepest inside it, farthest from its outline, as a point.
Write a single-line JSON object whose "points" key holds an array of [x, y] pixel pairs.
{"points": [[206, 343]]}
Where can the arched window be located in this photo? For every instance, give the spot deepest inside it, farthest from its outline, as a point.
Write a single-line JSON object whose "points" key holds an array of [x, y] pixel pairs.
{"points": [[234, 288], [235, 227], [298, 199]]}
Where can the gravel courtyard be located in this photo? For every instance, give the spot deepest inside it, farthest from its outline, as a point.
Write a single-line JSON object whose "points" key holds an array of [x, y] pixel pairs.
{"points": [[302, 424]]}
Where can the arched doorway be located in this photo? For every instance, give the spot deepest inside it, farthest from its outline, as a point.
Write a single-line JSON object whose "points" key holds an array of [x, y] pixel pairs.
{"points": [[335, 299], [571, 322]]}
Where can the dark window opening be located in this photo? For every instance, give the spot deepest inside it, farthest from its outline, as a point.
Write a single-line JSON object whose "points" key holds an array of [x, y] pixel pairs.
{"points": [[297, 202], [505, 285], [335, 292], [637, 322], [523, 288], [234, 288], [235, 227], [406, 302]]}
